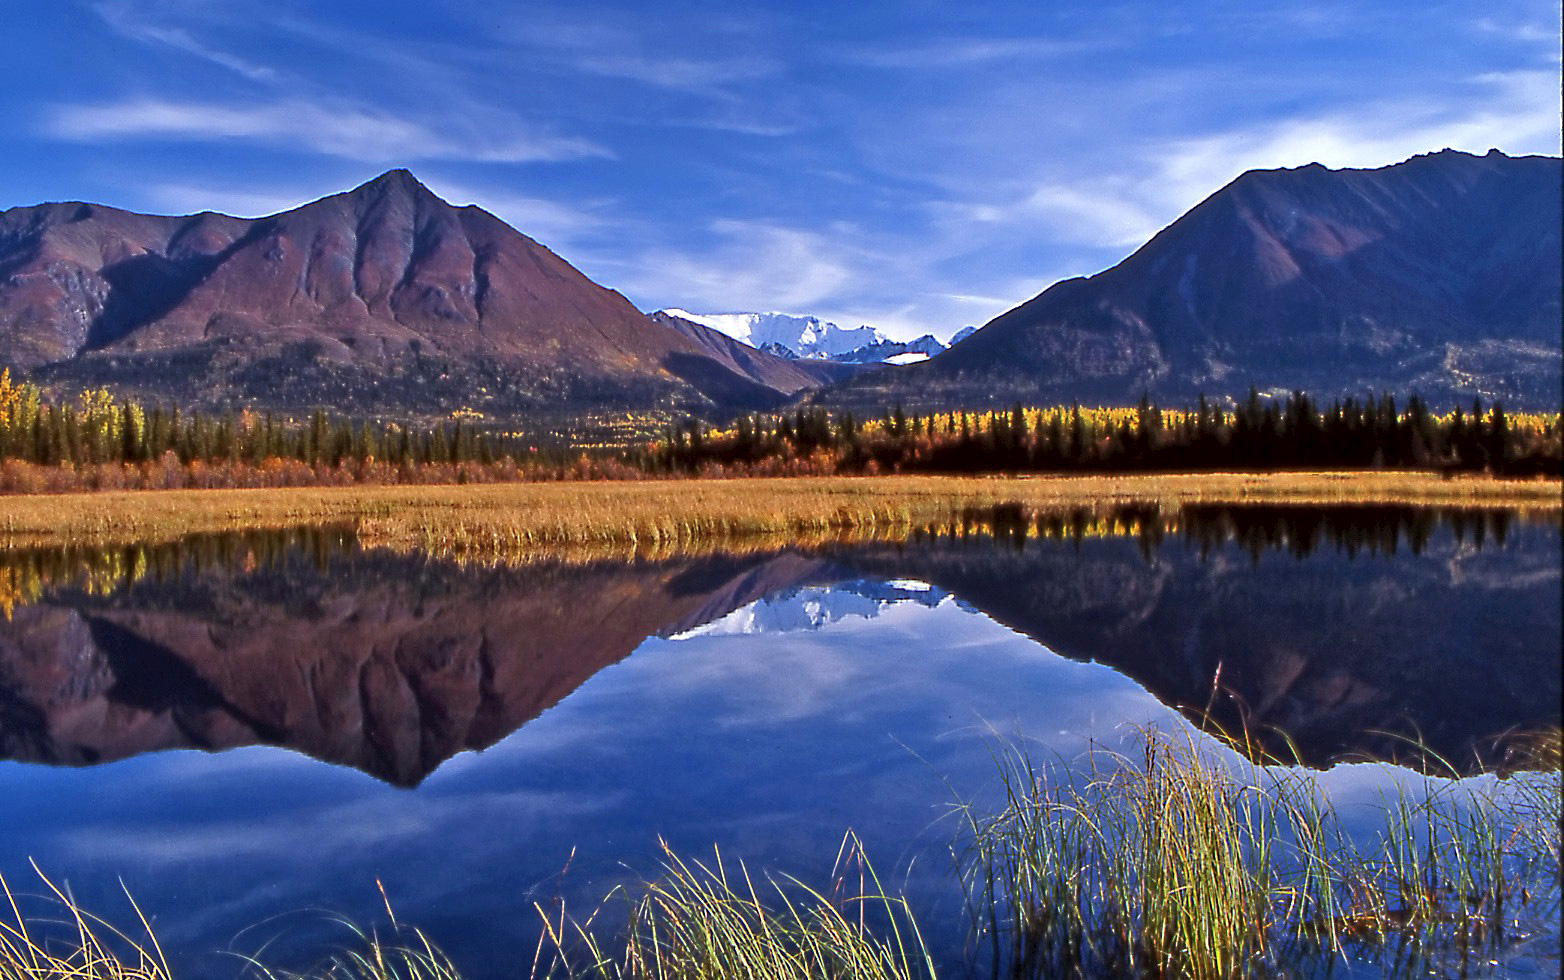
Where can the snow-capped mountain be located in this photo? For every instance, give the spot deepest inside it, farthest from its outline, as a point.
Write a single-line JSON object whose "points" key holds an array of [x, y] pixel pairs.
{"points": [[811, 339], [815, 607], [800, 336], [894, 351]]}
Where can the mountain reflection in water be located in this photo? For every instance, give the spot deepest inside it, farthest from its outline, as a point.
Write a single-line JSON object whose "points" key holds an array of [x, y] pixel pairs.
{"points": [[1329, 632]]}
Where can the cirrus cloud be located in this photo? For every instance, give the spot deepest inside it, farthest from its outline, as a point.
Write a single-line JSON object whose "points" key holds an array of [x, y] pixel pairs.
{"points": [[347, 131]]}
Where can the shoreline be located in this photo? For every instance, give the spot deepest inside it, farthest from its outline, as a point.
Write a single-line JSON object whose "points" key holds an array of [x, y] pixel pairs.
{"points": [[518, 517]]}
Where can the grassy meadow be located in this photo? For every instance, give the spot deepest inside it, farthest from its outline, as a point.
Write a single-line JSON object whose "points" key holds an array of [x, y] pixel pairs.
{"points": [[641, 517]]}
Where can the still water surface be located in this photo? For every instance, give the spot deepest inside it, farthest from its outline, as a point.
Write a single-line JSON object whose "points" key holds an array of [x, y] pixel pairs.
{"points": [[247, 729]]}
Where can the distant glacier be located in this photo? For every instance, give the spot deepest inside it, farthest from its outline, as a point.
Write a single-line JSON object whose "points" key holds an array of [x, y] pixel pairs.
{"points": [[805, 337]]}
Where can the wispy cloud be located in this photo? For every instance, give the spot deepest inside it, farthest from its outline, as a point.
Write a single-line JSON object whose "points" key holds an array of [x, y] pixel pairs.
{"points": [[1517, 110], [1103, 211], [348, 131], [1524, 31], [969, 52], [755, 265], [188, 198], [123, 19], [901, 285], [1151, 182], [706, 77], [551, 222], [628, 51]]}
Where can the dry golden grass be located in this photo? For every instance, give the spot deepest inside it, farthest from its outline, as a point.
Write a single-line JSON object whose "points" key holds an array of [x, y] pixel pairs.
{"points": [[661, 516]]}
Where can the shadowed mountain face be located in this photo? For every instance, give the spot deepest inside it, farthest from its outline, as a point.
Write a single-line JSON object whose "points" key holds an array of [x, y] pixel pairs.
{"points": [[394, 664], [1440, 275], [384, 298]]}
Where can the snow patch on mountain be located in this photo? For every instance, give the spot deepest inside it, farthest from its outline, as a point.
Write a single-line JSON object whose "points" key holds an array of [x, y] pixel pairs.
{"points": [[801, 336], [810, 338]]}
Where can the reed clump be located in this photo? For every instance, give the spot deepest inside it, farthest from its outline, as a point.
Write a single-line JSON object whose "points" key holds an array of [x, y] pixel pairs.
{"points": [[1173, 861], [74, 944], [1175, 864], [713, 921], [412, 956], [58, 939]]}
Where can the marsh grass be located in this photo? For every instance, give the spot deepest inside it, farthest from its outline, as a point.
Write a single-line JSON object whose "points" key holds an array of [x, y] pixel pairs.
{"points": [[1175, 864], [411, 956], [57, 939], [27, 574], [69, 943], [704, 921], [515, 519], [1534, 796], [1169, 861]]}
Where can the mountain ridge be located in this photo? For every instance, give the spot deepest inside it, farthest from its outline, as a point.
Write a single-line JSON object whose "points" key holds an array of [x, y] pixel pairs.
{"points": [[381, 298], [805, 337], [1439, 274]]}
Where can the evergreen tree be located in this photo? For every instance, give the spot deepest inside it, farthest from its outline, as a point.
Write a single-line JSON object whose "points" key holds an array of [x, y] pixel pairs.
{"points": [[315, 446], [1498, 441]]}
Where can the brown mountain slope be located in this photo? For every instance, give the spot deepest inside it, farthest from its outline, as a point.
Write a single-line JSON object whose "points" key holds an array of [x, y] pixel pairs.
{"points": [[1439, 275], [383, 298]]}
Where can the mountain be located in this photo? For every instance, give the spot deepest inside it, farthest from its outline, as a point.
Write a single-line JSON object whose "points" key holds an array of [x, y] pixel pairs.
{"points": [[800, 336], [383, 299], [1439, 275], [775, 370], [808, 338], [894, 351]]}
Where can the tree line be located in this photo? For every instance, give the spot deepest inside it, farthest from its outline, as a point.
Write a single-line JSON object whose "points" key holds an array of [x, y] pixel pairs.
{"points": [[97, 441], [97, 428], [1257, 433]]}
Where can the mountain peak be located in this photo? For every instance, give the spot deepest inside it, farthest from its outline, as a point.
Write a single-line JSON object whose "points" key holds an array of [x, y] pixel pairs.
{"points": [[1438, 275], [398, 181], [383, 299]]}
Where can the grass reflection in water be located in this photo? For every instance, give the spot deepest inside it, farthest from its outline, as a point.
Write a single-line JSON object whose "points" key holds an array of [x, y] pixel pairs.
{"points": [[1299, 529]]}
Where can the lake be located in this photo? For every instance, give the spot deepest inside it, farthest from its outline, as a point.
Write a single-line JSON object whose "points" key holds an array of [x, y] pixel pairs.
{"points": [[251, 731]]}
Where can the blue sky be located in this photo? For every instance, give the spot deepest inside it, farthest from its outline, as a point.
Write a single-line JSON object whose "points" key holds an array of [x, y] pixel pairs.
{"points": [[915, 165]]}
